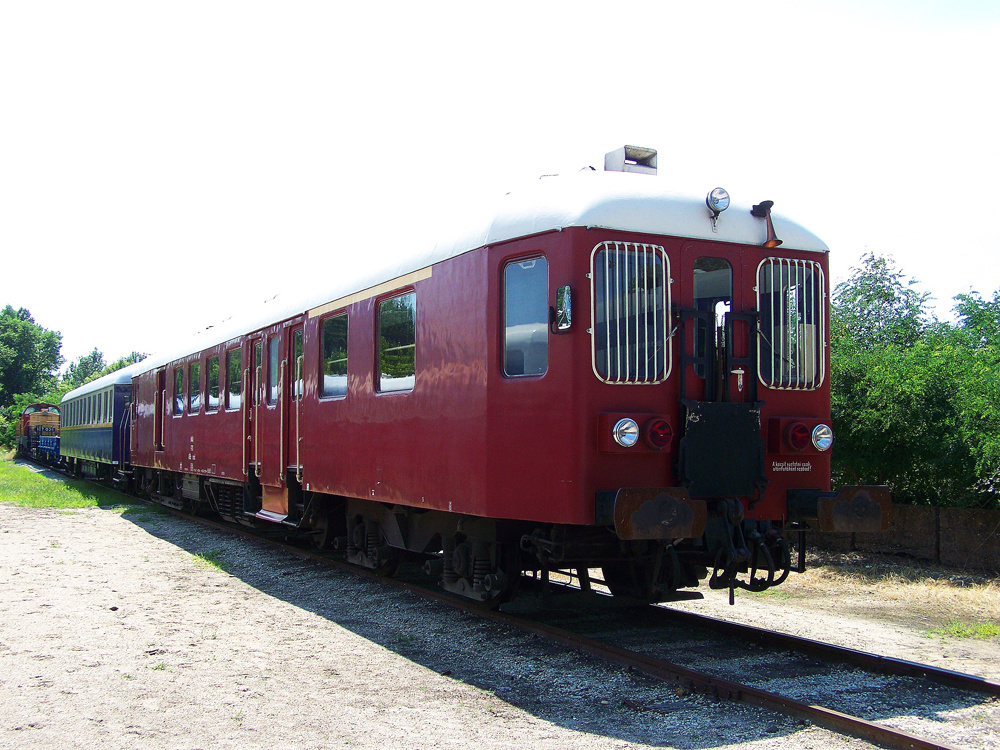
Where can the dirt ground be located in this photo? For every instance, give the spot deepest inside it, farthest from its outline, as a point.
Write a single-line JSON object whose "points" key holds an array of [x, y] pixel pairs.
{"points": [[128, 628]]}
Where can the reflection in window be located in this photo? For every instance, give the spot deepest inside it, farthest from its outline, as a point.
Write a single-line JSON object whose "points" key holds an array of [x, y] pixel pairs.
{"points": [[526, 318], [790, 297], [334, 356], [194, 384], [212, 378], [272, 370], [178, 390], [631, 313], [234, 378], [397, 343]]}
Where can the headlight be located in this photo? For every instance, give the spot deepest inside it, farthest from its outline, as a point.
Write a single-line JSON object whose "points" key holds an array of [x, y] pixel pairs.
{"points": [[822, 437], [626, 432]]}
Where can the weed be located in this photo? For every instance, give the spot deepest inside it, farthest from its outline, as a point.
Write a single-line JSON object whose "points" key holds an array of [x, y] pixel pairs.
{"points": [[955, 629], [210, 559]]}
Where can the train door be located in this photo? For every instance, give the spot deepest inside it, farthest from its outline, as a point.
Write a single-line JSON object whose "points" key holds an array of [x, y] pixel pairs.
{"points": [[719, 325], [253, 398], [160, 409], [718, 377]]}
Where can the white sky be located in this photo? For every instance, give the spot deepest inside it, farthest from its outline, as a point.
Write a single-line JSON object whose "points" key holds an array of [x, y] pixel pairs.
{"points": [[162, 164]]}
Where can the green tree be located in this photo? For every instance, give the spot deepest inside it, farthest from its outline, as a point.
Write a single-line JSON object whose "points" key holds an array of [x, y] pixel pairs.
{"points": [[914, 404], [29, 355], [85, 368]]}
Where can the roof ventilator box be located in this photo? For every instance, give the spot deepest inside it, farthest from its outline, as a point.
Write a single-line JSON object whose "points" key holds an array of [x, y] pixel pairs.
{"points": [[631, 159]]}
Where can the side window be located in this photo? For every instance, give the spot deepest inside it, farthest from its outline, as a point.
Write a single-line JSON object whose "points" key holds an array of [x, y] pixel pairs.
{"points": [[194, 388], [397, 343], [334, 357], [297, 362], [178, 390], [272, 370], [526, 318], [212, 378], [234, 378]]}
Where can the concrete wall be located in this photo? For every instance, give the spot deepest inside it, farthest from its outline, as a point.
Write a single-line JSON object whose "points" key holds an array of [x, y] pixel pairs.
{"points": [[964, 538]]}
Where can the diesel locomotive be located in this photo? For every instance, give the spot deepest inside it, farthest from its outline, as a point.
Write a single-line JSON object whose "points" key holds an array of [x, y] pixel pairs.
{"points": [[598, 374]]}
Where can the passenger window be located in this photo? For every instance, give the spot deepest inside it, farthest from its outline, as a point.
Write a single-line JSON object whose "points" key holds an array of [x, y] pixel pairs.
{"points": [[234, 378], [397, 343], [258, 363], [178, 391], [526, 318], [335, 356], [194, 385], [272, 370], [212, 376]]}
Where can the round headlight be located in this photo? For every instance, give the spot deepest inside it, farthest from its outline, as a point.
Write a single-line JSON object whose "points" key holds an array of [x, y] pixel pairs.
{"points": [[822, 437], [717, 200], [626, 432]]}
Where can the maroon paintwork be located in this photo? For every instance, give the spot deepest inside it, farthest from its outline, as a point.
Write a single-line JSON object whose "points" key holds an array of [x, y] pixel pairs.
{"points": [[467, 439]]}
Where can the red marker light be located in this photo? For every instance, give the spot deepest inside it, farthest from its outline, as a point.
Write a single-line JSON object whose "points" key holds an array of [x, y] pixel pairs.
{"points": [[658, 433], [797, 436]]}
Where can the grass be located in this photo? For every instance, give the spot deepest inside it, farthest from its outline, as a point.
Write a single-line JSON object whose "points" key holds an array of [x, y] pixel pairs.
{"points": [[210, 559], [981, 630], [21, 486]]}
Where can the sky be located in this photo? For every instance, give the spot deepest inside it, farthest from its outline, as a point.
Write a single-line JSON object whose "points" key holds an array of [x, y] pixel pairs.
{"points": [[164, 164]]}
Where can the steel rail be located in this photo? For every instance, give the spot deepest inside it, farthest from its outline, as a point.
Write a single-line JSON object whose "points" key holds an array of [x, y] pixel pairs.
{"points": [[883, 736], [722, 689], [889, 665]]}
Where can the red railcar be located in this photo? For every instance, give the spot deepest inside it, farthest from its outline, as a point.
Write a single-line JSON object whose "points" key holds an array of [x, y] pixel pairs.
{"points": [[601, 374]]}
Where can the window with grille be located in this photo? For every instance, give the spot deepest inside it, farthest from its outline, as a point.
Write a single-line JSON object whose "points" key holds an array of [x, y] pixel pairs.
{"points": [[791, 297], [630, 330]]}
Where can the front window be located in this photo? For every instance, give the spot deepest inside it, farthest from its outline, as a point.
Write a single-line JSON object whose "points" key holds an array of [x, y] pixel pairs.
{"points": [[526, 318], [397, 343], [791, 299], [631, 313]]}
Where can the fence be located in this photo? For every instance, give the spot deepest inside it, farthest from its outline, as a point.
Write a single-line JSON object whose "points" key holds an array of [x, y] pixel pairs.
{"points": [[964, 538]]}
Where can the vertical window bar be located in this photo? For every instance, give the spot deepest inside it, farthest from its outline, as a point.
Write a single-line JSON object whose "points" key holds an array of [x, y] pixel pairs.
{"points": [[607, 309]]}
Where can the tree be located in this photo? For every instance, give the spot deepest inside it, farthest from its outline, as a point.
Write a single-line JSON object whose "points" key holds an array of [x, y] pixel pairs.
{"points": [[84, 369], [914, 400], [29, 355]]}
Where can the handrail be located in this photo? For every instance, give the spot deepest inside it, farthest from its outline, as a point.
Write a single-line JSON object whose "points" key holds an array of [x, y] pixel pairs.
{"points": [[256, 423], [281, 419], [243, 415], [298, 412]]}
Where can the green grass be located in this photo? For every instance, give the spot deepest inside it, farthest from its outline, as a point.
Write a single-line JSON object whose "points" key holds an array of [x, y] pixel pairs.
{"points": [[21, 486], [982, 630], [210, 559]]}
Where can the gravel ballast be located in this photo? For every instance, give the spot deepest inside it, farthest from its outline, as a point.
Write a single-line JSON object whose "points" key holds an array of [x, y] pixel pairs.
{"points": [[131, 628]]}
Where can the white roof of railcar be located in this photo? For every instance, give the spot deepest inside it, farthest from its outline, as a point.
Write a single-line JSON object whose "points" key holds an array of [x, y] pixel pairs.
{"points": [[118, 377], [590, 198]]}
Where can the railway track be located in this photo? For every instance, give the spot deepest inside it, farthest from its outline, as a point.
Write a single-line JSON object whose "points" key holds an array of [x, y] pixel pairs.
{"points": [[579, 628], [566, 626]]}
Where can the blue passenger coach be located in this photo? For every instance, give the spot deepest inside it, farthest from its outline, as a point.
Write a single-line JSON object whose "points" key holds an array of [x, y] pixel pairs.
{"points": [[96, 423]]}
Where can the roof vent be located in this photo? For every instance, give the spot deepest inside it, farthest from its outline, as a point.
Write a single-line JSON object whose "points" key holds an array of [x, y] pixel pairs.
{"points": [[631, 159]]}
